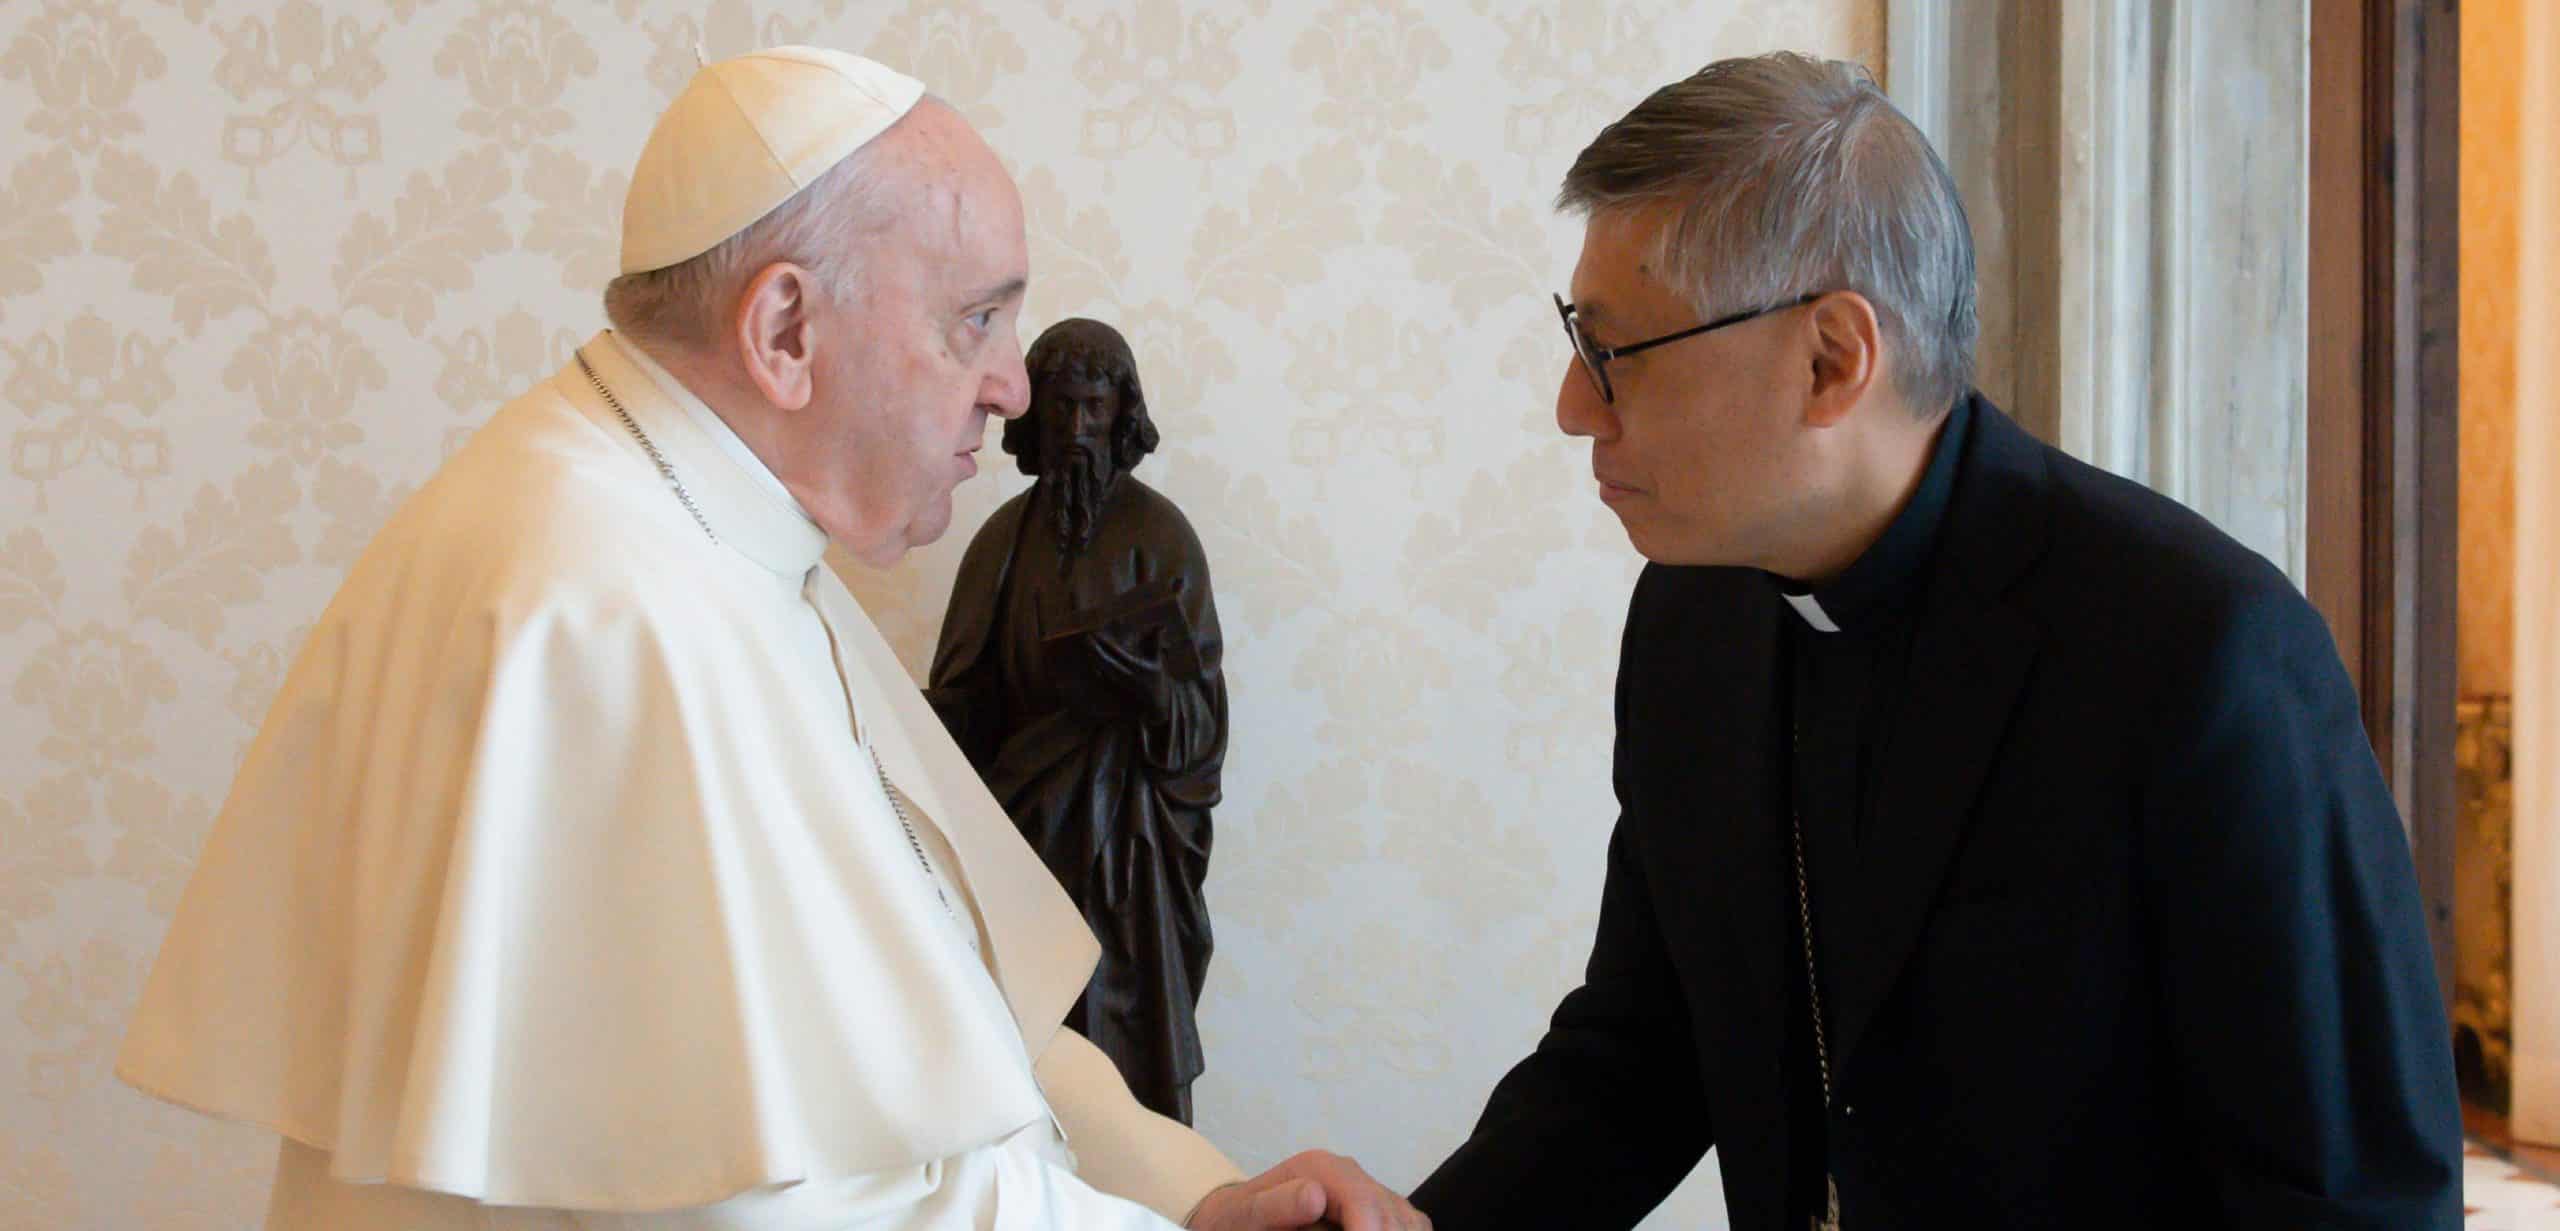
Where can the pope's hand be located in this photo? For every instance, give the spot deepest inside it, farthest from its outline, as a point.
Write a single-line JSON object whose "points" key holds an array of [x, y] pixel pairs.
{"points": [[1312, 1189]]}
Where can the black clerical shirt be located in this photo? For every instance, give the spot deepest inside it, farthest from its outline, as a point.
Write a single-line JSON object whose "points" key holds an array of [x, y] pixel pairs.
{"points": [[1848, 656]]}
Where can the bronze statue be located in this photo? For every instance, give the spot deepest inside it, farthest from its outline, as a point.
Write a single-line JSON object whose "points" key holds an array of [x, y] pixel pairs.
{"points": [[1079, 670]]}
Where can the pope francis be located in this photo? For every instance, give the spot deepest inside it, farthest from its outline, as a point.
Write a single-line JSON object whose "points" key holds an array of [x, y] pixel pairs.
{"points": [[598, 866]]}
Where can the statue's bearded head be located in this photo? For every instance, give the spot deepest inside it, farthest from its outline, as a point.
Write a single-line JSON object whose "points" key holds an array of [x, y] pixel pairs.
{"points": [[1088, 424]]}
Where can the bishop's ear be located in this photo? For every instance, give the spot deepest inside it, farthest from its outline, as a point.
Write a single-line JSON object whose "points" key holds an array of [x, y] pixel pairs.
{"points": [[1846, 350], [772, 331]]}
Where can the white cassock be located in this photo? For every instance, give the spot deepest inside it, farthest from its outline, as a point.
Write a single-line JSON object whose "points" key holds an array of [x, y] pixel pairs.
{"points": [[559, 889]]}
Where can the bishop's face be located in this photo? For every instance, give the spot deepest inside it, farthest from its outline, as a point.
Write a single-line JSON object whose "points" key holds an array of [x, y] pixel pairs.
{"points": [[1702, 454], [934, 351]]}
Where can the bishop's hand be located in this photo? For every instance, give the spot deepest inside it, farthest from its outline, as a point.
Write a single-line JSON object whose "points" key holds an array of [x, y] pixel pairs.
{"points": [[1313, 1189]]}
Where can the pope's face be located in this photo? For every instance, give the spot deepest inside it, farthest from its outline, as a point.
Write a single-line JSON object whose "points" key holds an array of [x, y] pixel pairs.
{"points": [[929, 347], [1702, 455]]}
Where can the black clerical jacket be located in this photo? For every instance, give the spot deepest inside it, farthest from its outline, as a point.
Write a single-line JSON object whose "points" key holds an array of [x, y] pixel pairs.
{"points": [[2134, 941]]}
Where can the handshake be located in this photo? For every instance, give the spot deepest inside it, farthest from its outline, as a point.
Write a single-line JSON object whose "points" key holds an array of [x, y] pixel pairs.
{"points": [[1314, 1189]]}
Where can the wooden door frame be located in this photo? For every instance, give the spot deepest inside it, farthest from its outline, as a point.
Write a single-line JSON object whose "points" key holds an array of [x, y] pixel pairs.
{"points": [[2382, 442]]}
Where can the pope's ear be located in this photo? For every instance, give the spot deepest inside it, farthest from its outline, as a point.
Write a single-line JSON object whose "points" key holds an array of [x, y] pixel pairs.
{"points": [[772, 331]]}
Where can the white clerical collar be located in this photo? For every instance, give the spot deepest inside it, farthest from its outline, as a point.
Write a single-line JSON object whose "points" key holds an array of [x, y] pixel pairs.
{"points": [[1810, 608], [739, 497]]}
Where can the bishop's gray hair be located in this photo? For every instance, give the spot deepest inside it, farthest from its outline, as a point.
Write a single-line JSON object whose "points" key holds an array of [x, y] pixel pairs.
{"points": [[1793, 175], [686, 304]]}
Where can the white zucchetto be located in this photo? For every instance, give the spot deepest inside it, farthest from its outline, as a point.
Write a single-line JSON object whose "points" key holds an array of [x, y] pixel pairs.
{"points": [[745, 135]]}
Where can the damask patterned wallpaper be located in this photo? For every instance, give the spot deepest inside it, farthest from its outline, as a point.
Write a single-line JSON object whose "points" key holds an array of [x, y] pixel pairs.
{"points": [[263, 263]]}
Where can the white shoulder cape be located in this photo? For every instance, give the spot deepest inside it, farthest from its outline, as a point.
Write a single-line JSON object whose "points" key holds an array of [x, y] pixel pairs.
{"points": [[541, 884]]}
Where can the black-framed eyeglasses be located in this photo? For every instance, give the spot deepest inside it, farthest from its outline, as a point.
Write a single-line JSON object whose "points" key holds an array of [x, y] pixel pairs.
{"points": [[1595, 359]]}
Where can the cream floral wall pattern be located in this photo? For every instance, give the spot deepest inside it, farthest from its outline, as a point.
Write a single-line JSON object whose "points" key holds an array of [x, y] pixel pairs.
{"points": [[264, 263]]}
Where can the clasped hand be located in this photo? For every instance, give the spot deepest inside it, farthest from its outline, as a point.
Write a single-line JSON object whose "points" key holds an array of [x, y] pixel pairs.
{"points": [[1313, 1189]]}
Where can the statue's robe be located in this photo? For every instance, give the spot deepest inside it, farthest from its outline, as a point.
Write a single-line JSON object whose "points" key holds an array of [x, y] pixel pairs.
{"points": [[559, 888], [1105, 749]]}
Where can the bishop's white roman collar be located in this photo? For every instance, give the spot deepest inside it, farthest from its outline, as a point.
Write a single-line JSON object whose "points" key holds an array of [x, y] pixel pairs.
{"points": [[741, 500], [1810, 608]]}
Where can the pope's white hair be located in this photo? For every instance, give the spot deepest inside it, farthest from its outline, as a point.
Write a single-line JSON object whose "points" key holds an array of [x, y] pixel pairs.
{"points": [[1789, 175], [821, 228]]}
